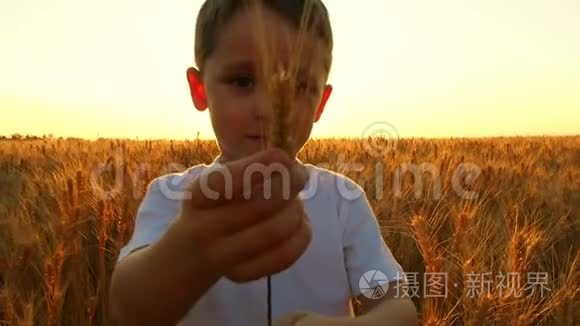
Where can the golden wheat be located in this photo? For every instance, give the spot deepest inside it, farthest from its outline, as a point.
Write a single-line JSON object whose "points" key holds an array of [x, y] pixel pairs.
{"points": [[68, 206]]}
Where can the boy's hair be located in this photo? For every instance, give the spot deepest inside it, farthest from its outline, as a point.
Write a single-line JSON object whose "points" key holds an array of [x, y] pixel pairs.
{"points": [[215, 13]]}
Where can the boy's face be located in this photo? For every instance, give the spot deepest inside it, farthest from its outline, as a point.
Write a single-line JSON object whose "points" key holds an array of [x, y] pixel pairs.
{"points": [[236, 94]]}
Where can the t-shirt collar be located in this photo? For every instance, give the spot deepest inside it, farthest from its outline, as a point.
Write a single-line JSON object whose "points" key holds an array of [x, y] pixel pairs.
{"points": [[218, 161]]}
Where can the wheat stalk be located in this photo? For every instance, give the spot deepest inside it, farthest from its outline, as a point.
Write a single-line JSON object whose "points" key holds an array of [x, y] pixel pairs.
{"points": [[280, 80], [432, 257], [280, 85]]}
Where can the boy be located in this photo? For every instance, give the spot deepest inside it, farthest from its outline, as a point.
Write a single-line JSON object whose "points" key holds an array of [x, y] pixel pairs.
{"points": [[201, 250]]}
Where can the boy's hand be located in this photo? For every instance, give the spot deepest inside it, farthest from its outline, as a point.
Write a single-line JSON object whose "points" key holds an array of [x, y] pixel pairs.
{"points": [[246, 239], [393, 312], [314, 319]]}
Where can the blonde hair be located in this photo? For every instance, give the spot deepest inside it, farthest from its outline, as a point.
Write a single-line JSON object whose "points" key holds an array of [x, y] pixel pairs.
{"points": [[214, 14]]}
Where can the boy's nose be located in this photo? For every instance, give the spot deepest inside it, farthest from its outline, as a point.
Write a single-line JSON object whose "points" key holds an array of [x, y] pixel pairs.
{"points": [[259, 113], [261, 107]]}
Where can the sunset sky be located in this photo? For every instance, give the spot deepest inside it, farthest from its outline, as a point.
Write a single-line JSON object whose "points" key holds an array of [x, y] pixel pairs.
{"points": [[428, 68]]}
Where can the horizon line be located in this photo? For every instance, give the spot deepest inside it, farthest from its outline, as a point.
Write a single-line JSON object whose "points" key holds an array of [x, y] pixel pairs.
{"points": [[136, 138]]}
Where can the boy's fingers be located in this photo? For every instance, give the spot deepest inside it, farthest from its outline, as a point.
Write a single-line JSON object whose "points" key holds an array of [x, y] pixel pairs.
{"points": [[233, 180], [265, 202], [276, 260], [257, 239]]}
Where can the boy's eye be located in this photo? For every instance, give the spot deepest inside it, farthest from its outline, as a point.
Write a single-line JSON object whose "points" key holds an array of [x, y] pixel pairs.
{"points": [[242, 82]]}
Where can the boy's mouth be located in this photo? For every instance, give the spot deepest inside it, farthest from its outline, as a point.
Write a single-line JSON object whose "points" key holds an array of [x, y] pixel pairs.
{"points": [[256, 138]]}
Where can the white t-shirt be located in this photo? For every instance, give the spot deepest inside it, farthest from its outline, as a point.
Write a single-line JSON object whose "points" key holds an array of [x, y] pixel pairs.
{"points": [[346, 243]]}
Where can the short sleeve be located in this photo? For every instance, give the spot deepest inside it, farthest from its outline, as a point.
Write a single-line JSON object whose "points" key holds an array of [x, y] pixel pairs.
{"points": [[364, 247], [154, 215]]}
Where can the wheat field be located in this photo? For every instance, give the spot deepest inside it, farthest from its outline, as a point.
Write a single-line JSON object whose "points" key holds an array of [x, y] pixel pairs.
{"points": [[487, 229]]}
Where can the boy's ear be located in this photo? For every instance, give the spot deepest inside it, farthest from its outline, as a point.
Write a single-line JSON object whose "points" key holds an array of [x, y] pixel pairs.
{"points": [[197, 89], [325, 95]]}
